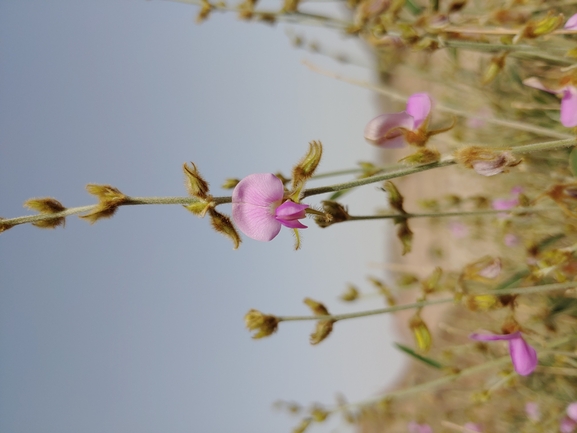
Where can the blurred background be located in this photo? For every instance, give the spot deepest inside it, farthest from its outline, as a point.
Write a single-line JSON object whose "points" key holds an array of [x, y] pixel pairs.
{"points": [[135, 324]]}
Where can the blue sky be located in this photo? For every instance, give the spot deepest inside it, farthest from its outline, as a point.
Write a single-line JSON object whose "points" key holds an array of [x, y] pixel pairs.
{"points": [[135, 324]]}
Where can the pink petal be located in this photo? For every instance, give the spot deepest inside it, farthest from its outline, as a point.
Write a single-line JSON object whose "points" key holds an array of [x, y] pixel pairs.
{"points": [[289, 213], [419, 106], [523, 356], [569, 107], [473, 427], [415, 427], [571, 23], [504, 204], [536, 84], [532, 410], [381, 130], [572, 411], [253, 202]]}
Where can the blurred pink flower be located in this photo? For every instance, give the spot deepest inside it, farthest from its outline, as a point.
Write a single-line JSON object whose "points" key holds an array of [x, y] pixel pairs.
{"points": [[532, 410], [568, 101], [473, 427], [523, 356], [567, 425], [508, 203], [511, 240], [571, 23], [572, 411], [258, 208], [415, 427], [458, 229], [386, 130]]}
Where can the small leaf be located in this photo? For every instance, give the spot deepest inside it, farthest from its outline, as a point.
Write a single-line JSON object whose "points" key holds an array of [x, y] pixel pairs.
{"points": [[411, 352]]}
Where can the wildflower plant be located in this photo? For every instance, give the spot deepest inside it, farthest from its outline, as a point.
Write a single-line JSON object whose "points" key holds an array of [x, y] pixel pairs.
{"points": [[504, 185]]}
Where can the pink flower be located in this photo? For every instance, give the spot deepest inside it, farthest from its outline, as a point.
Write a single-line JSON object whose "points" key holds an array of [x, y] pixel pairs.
{"points": [[387, 129], [258, 208], [568, 101], [415, 427], [532, 410], [523, 356], [571, 23]]}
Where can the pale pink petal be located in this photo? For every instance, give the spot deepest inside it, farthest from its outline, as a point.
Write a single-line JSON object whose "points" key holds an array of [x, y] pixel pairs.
{"points": [[571, 23], [569, 107], [532, 410], [254, 200], [572, 411], [471, 426], [537, 84], [567, 425], [289, 213], [383, 130], [504, 204], [458, 229], [516, 190], [414, 427], [492, 270], [523, 356], [511, 240], [419, 106]]}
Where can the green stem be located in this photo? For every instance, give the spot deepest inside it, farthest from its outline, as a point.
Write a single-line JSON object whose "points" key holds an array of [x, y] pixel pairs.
{"points": [[518, 291], [398, 172]]}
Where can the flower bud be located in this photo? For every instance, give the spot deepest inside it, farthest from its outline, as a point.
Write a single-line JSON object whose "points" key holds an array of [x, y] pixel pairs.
{"points": [[222, 224], [431, 284], [350, 294], [199, 208], [230, 183], [482, 302], [543, 26], [303, 425], [195, 184], [334, 213], [424, 155], [405, 235], [395, 197], [317, 308], [486, 161], [322, 331], [495, 67], [421, 332], [109, 198], [305, 169], [264, 323], [46, 206]]}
